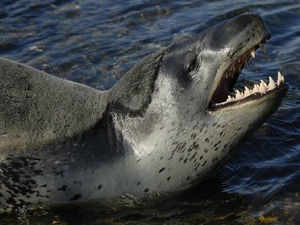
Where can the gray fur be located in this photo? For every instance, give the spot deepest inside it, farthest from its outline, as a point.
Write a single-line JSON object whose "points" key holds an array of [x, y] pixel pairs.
{"points": [[37, 108]]}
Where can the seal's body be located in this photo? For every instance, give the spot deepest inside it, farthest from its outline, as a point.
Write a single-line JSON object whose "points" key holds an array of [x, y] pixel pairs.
{"points": [[163, 127]]}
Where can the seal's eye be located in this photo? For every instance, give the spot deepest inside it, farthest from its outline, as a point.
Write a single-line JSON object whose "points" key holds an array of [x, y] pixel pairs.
{"points": [[191, 62]]}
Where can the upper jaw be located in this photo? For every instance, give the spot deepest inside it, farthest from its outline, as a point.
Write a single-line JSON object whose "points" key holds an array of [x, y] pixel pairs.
{"points": [[223, 93]]}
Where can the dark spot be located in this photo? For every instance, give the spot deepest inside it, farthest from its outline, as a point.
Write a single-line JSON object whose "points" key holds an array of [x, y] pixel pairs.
{"points": [[188, 178], [193, 156], [146, 190], [185, 160], [201, 157], [168, 178], [63, 188], [219, 142], [161, 170], [216, 149], [77, 182], [161, 158], [201, 129], [206, 140], [172, 154], [180, 147], [138, 183], [59, 173], [99, 187], [221, 134], [205, 150], [175, 143], [203, 164], [195, 145], [193, 135], [75, 197]]}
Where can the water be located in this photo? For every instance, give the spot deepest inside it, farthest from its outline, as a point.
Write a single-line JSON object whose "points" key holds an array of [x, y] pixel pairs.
{"points": [[96, 42]]}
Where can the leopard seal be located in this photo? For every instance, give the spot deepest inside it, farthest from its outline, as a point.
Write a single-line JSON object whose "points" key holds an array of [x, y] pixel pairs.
{"points": [[167, 124]]}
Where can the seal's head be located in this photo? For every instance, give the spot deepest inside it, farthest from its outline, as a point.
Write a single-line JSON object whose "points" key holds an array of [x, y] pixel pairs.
{"points": [[194, 115], [208, 66]]}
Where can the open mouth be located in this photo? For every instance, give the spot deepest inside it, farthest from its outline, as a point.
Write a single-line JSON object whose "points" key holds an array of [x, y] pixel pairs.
{"points": [[226, 93]]}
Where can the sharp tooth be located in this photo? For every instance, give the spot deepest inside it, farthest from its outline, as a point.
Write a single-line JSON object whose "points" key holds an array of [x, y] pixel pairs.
{"points": [[251, 91], [272, 84], [263, 83], [263, 87], [256, 88], [238, 95], [280, 78], [253, 53], [247, 91], [229, 99], [242, 94]]}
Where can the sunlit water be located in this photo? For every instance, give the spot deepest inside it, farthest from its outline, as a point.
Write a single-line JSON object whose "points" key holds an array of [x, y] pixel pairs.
{"points": [[95, 42]]}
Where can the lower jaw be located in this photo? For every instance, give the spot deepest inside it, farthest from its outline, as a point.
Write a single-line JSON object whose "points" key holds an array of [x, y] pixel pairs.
{"points": [[254, 99]]}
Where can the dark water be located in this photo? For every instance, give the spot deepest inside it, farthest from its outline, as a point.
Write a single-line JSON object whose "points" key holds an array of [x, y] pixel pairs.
{"points": [[96, 41]]}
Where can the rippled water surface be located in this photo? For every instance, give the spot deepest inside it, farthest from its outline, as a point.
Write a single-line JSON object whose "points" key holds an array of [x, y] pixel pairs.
{"points": [[96, 41]]}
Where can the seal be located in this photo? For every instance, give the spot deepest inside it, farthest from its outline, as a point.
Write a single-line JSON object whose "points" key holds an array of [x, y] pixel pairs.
{"points": [[167, 124]]}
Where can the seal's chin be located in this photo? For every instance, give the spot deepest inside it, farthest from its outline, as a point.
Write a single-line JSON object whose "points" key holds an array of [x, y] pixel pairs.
{"points": [[226, 94]]}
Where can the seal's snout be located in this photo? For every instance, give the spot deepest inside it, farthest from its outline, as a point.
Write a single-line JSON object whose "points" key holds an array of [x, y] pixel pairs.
{"points": [[251, 21], [237, 30], [241, 22]]}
